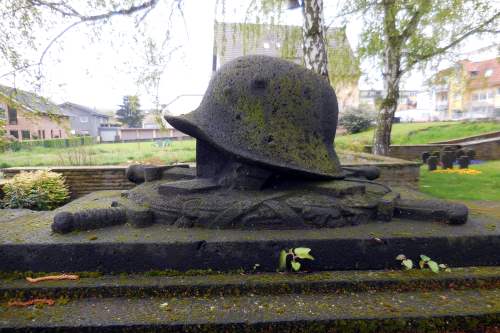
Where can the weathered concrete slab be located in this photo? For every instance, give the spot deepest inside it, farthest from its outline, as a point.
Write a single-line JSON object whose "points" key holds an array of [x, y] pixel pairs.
{"points": [[443, 311], [27, 244], [210, 283]]}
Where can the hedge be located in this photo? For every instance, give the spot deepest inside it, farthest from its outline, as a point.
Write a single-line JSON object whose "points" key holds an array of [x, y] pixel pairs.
{"points": [[50, 143]]}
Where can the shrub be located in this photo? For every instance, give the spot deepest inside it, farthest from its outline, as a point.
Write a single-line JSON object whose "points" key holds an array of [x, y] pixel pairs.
{"points": [[76, 156], [39, 190], [48, 143], [356, 120]]}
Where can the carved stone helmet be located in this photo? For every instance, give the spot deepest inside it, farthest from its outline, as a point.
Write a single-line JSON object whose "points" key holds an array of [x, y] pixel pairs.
{"points": [[271, 112]]}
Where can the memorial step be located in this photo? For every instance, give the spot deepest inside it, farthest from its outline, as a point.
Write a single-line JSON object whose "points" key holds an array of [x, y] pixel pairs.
{"points": [[466, 299]]}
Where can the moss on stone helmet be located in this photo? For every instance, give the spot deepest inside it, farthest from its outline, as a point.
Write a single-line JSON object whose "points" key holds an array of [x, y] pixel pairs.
{"points": [[269, 111]]}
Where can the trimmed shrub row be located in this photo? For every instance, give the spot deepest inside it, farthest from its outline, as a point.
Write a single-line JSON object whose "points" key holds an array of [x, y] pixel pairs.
{"points": [[50, 143]]}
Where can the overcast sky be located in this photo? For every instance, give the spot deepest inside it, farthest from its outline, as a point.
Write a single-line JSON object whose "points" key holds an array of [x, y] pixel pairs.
{"points": [[98, 72]]}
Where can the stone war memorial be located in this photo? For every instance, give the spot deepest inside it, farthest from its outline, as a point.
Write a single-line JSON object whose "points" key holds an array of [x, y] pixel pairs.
{"points": [[198, 249]]}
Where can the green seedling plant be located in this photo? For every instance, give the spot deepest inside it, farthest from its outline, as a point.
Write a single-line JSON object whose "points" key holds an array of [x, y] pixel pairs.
{"points": [[433, 266], [405, 262], [424, 261], [295, 254]]}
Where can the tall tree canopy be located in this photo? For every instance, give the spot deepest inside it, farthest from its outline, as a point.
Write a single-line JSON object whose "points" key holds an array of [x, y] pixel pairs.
{"points": [[32, 29], [402, 35], [130, 113]]}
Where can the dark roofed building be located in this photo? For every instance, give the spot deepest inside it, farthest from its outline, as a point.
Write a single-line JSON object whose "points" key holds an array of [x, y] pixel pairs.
{"points": [[29, 116], [84, 120]]}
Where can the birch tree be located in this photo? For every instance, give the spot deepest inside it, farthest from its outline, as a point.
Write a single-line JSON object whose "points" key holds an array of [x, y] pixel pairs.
{"points": [[406, 34], [313, 34]]}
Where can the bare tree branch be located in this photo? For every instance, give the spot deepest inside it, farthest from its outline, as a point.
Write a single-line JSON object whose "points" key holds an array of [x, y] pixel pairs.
{"points": [[71, 26], [479, 29], [359, 9], [414, 21], [66, 10]]}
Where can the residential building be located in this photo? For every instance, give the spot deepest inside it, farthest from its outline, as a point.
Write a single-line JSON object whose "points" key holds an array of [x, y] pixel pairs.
{"points": [[233, 40], [153, 119], [153, 128], [112, 134], [30, 117], [369, 99], [468, 90], [84, 120]]}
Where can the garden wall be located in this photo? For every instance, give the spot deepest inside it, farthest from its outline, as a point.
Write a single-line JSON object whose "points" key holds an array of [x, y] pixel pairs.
{"points": [[486, 149], [85, 179], [393, 171], [488, 135]]}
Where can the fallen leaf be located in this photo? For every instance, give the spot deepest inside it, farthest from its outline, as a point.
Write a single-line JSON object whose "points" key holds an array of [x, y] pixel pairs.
{"points": [[35, 301], [53, 278]]}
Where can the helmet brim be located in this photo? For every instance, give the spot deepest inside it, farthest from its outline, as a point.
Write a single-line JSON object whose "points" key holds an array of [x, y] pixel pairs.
{"points": [[188, 123]]}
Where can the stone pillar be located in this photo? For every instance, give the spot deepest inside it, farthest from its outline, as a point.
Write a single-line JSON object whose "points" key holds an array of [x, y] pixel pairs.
{"points": [[425, 155], [432, 163], [447, 159], [463, 162]]}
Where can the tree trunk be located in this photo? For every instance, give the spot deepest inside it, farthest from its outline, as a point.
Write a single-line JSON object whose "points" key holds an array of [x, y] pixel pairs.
{"points": [[313, 33], [388, 106], [391, 76]]}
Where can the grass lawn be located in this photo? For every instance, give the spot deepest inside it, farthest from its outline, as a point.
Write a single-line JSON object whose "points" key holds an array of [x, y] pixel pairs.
{"points": [[102, 154], [484, 186], [419, 133], [184, 151]]}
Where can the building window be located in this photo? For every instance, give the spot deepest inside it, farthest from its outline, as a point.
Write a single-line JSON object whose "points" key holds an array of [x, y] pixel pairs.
{"points": [[25, 134], [14, 134], [278, 45], [12, 115], [60, 133], [491, 93], [473, 73], [482, 96], [488, 72], [84, 119], [475, 97], [43, 134], [51, 134]]}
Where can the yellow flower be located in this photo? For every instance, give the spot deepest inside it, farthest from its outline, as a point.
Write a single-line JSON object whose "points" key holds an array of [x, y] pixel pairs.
{"points": [[458, 171]]}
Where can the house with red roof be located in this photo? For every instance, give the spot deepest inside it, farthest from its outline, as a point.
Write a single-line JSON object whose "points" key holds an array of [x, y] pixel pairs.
{"points": [[468, 90], [28, 116]]}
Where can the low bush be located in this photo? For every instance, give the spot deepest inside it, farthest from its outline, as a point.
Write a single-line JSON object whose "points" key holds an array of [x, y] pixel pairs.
{"points": [[48, 143], [356, 120], [39, 190]]}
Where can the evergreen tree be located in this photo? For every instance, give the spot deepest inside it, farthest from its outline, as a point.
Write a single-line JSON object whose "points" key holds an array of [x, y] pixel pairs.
{"points": [[130, 113]]}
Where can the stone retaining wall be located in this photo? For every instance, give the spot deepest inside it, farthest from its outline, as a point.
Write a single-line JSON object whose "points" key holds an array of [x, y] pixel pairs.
{"points": [[393, 171], [488, 135], [83, 180], [86, 179], [486, 149]]}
